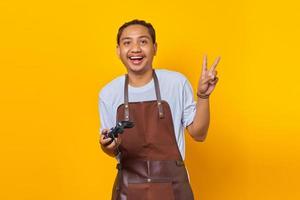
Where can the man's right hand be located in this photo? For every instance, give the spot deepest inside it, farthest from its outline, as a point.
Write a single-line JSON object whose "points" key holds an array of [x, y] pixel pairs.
{"points": [[109, 149]]}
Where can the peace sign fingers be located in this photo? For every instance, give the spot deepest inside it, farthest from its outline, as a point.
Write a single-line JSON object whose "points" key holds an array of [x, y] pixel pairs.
{"points": [[208, 79], [213, 67]]}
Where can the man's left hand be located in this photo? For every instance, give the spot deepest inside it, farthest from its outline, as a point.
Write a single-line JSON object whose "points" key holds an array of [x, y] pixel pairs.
{"points": [[208, 78]]}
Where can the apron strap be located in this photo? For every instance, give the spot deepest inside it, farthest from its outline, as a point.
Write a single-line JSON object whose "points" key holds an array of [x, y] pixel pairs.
{"points": [[126, 110], [157, 92], [158, 97]]}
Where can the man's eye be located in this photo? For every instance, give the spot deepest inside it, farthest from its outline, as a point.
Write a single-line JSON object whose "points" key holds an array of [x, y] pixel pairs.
{"points": [[126, 43], [144, 41]]}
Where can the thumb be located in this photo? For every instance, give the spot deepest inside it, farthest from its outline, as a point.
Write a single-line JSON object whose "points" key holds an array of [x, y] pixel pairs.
{"points": [[104, 131]]}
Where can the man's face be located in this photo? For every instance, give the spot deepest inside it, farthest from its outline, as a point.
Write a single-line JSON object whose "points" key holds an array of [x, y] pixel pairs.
{"points": [[136, 49]]}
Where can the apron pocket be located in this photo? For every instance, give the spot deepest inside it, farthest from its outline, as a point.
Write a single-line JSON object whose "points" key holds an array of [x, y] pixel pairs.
{"points": [[150, 191]]}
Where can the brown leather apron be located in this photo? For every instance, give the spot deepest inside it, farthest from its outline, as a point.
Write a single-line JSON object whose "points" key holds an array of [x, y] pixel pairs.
{"points": [[151, 166]]}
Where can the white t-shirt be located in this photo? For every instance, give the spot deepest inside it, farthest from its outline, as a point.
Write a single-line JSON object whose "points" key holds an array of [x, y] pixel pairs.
{"points": [[174, 88]]}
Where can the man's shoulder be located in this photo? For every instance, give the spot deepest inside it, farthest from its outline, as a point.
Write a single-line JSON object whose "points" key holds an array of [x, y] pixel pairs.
{"points": [[112, 87], [171, 76]]}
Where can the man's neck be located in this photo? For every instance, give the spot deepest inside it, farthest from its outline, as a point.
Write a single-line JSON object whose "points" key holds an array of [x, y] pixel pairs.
{"points": [[139, 80]]}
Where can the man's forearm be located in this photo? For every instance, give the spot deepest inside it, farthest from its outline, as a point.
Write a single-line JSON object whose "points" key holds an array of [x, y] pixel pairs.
{"points": [[199, 127]]}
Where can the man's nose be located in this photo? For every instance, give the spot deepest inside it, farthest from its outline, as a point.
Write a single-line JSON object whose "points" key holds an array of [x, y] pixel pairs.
{"points": [[136, 48]]}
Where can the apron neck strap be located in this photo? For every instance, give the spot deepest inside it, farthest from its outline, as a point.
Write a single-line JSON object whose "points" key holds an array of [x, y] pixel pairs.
{"points": [[157, 91]]}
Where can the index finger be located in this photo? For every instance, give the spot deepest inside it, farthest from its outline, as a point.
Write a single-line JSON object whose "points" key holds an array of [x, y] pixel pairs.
{"points": [[204, 66], [104, 141], [213, 67]]}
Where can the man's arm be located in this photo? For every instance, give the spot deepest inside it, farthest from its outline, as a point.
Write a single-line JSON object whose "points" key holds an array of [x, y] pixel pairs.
{"points": [[106, 119], [207, 82], [199, 127]]}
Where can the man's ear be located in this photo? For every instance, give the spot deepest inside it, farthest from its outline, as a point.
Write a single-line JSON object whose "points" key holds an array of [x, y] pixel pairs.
{"points": [[118, 50], [155, 48]]}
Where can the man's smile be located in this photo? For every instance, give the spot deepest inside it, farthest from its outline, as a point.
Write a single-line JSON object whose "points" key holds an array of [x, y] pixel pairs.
{"points": [[136, 59]]}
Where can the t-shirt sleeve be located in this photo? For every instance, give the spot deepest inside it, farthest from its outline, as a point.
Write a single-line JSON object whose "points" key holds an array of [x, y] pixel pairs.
{"points": [[105, 111], [189, 104]]}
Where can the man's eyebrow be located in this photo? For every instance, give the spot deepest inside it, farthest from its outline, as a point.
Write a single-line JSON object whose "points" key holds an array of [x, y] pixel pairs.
{"points": [[126, 38], [129, 38], [144, 36]]}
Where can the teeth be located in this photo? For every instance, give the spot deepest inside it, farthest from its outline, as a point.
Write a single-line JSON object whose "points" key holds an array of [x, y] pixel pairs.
{"points": [[135, 57]]}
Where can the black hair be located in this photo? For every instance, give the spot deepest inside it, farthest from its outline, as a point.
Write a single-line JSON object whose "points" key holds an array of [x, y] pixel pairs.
{"points": [[139, 22]]}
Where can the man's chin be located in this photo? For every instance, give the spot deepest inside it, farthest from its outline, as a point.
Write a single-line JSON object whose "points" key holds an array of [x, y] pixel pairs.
{"points": [[138, 69]]}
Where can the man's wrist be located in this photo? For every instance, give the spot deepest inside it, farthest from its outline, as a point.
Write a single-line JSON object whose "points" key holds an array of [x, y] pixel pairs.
{"points": [[203, 96], [111, 152]]}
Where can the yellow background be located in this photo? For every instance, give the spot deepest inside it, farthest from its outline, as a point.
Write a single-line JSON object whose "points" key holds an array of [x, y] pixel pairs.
{"points": [[56, 55]]}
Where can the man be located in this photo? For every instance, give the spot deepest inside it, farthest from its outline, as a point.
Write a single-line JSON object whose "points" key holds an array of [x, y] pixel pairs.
{"points": [[160, 103]]}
